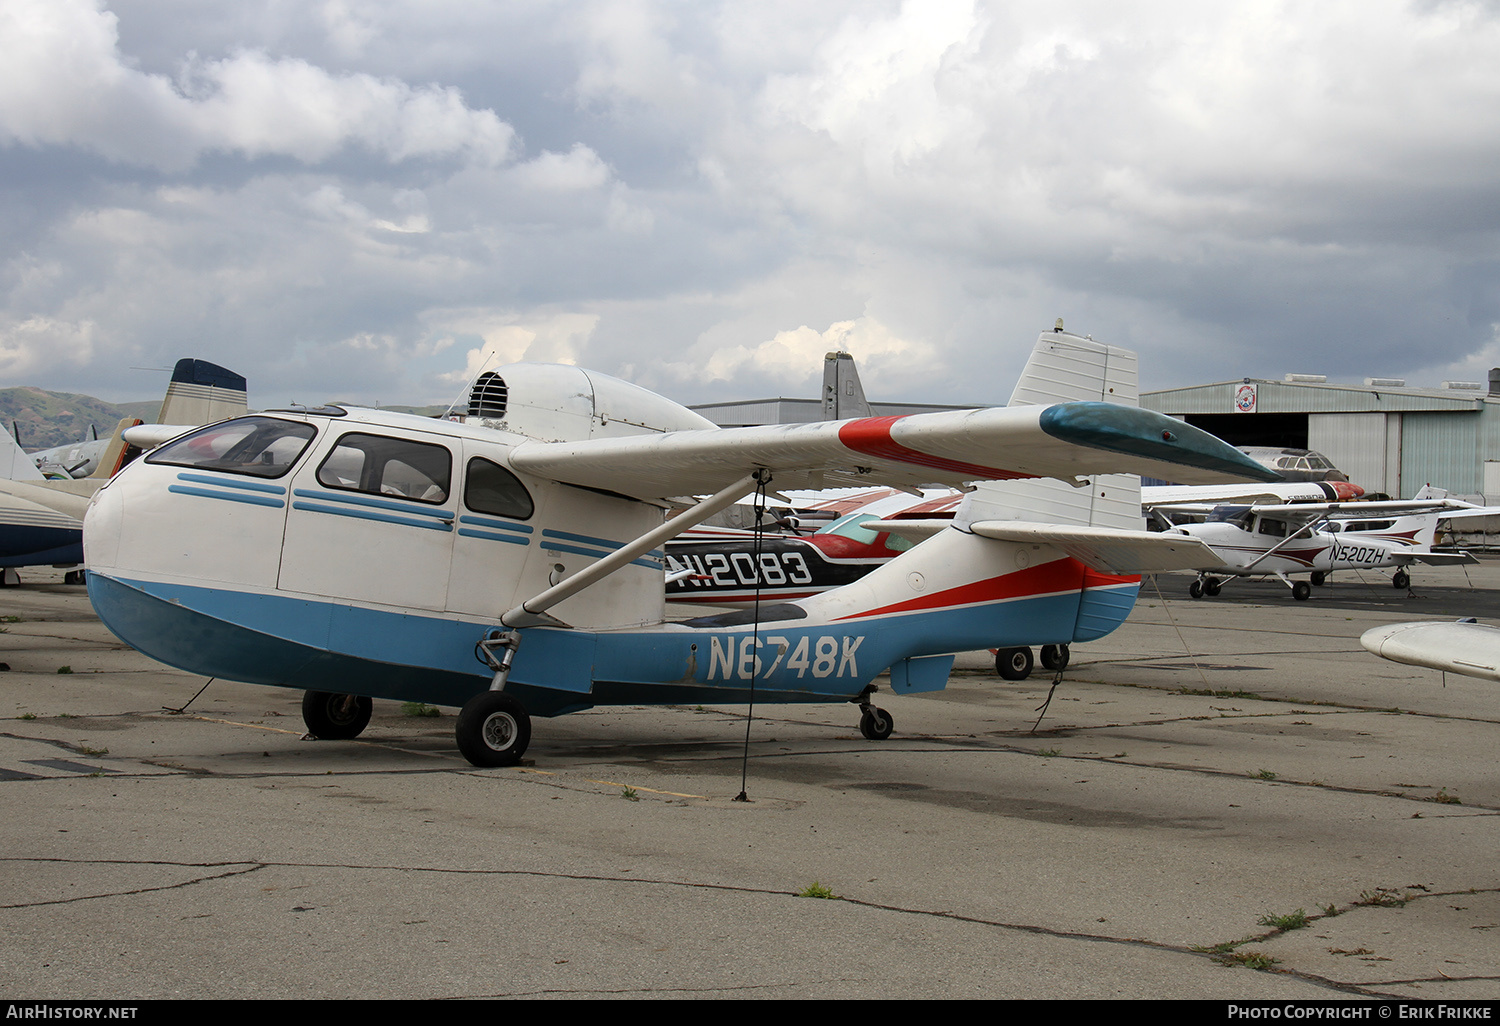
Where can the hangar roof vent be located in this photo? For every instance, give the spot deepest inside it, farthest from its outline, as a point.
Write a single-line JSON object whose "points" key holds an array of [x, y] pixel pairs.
{"points": [[1306, 379], [1386, 382], [1463, 386]]}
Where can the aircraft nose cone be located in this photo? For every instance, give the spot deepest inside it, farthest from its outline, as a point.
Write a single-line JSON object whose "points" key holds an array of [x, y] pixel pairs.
{"points": [[1345, 490]]}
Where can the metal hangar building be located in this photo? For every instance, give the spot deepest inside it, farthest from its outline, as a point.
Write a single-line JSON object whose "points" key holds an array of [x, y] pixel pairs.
{"points": [[1387, 437]]}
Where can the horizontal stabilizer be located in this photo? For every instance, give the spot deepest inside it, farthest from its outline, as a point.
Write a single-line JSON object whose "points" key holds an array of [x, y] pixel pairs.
{"points": [[1438, 559], [1108, 551]]}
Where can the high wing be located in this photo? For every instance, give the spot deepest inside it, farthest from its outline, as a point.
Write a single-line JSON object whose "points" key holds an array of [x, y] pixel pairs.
{"points": [[1066, 440]]}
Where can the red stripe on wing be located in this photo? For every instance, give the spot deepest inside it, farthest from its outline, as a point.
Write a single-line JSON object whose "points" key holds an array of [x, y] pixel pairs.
{"points": [[872, 437]]}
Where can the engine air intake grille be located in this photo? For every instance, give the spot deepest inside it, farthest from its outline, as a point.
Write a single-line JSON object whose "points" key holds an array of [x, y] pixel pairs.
{"points": [[488, 396]]}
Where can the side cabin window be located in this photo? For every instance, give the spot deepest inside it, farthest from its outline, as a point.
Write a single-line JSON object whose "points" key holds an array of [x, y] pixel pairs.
{"points": [[388, 466], [259, 446], [1271, 528], [1370, 525], [490, 488]]}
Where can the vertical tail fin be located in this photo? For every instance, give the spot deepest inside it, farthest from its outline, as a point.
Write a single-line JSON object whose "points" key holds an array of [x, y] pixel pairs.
{"points": [[15, 464], [117, 453], [201, 393], [1067, 368], [843, 395]]}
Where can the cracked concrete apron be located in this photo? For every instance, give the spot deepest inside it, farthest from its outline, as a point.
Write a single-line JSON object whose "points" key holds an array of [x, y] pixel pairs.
{"points": [[1169, 802]]}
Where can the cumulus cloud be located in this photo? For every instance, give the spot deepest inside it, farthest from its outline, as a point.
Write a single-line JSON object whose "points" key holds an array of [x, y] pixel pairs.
{"points": [[707, 197], [65, 82], [510, 338]]}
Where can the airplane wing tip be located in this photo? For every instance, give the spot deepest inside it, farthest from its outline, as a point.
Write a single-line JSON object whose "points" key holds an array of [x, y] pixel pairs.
{"points": [[1155, 436]]}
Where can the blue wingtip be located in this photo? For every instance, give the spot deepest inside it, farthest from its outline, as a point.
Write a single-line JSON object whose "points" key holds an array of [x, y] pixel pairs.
{"points": [[1126, 429]]}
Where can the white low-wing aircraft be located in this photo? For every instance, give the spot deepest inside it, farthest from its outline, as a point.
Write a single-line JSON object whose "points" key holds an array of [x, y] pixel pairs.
{"points": [[512, 564], [1320, 538]]}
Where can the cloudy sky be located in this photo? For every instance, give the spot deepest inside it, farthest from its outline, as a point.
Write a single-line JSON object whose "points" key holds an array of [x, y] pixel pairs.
{"points": [[364, 199]]}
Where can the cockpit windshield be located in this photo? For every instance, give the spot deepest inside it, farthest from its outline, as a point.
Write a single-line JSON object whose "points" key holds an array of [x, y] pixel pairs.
{"points": [[260, 446], [1239, 516], [853, 527]]}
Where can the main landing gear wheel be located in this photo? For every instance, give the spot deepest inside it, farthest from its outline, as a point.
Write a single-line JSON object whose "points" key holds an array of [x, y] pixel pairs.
{"points": [[1301, 590], [335, 717], [1196, 589], [1055, 657], [1400, 579], [1013, 663], [876, 724], [493, 729], [1211, 586], [1318, 578]]}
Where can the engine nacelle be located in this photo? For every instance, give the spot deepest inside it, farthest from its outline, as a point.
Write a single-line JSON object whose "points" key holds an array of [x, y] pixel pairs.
{"points": [[554, 402]]}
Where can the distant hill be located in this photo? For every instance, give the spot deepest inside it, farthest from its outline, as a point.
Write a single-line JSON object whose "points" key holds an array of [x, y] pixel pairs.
{"points": [[421, 411], [57, 418]]}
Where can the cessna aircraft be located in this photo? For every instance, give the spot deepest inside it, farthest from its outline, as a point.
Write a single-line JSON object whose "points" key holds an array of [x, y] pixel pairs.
{"points": [[41, 521], [511, 564], [1319, 538]]}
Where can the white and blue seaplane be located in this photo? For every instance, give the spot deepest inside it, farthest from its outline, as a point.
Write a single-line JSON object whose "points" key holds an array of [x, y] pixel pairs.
{"points": [[512, 565]]}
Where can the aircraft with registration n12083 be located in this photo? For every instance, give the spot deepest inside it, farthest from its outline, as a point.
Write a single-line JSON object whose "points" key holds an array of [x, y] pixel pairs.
{"points": [[511, 563]]}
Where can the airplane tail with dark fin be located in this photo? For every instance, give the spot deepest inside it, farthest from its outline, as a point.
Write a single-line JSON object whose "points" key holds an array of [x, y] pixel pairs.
{"points": [[202, 393], [1067, 368], [199, 393]]}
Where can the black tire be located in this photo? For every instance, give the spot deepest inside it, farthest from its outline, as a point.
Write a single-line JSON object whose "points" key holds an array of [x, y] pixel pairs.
{"points": [[493, 729], [1196, 589], [876, 724], [1055, 657], [1301, 590], [1318, 579], [1013, 663], [1400, 579], [335, 717], [1211, 587]]}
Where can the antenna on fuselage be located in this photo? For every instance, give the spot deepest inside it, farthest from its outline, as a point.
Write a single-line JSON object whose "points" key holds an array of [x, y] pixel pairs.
{"points": [[462, 399]]}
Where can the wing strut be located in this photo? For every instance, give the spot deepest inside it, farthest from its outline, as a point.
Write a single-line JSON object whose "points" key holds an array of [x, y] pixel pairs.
{"points": [[531, 612]]}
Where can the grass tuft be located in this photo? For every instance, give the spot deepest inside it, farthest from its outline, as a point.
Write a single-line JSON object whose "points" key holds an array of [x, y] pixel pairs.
{"points": [[1291, 921]]}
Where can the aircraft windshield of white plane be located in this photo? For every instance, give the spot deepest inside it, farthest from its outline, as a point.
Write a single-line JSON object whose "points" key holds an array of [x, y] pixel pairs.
{"points": [[260, 446], [1239, 516]]}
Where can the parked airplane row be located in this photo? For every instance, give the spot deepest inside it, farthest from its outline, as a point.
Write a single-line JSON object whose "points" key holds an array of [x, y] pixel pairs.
{"points": [[522, 547]]}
